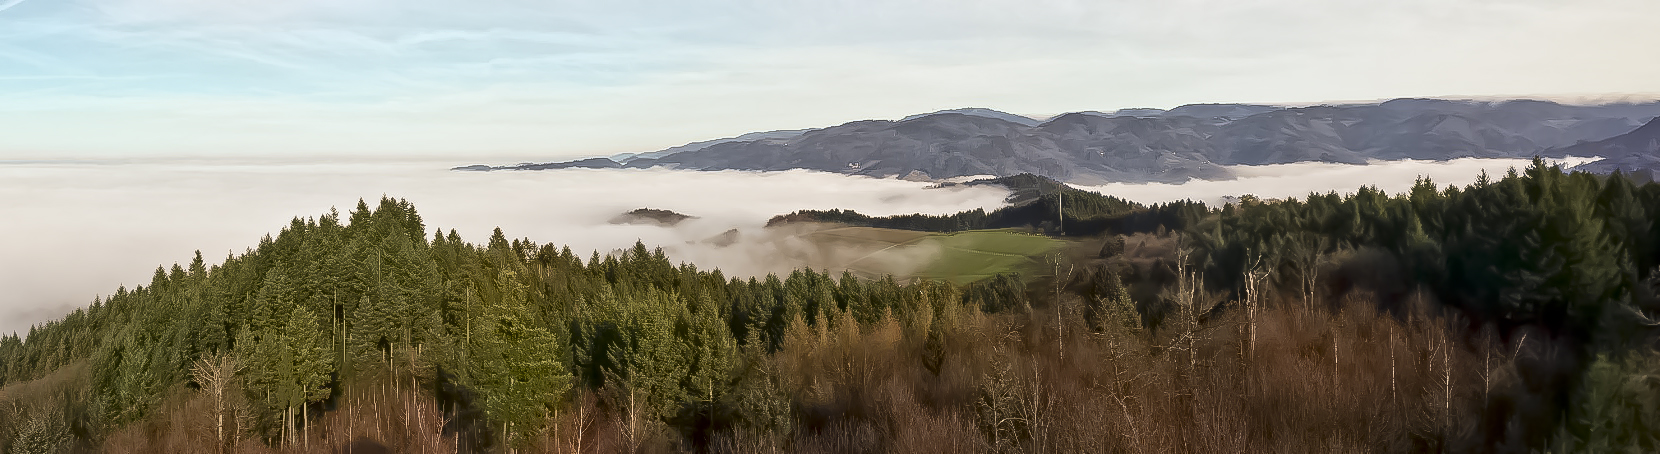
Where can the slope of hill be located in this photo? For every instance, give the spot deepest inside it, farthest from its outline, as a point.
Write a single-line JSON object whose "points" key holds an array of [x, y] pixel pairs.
{"points": [[1033, 204], [951, 145], [590, 163], [982, 112], [959, 257], [780, 134], [1228, 111], [1151, 145], [1636, 152]]}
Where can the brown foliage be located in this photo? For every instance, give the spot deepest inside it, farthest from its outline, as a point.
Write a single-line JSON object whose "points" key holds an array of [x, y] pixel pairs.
{"points": [[1284, 377], [368, 420], [1355, 380]]}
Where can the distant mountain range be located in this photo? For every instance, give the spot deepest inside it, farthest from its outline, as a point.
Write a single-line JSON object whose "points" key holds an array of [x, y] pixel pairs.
{"points": [[1145, 144], [1636, 153], [694, 146]]}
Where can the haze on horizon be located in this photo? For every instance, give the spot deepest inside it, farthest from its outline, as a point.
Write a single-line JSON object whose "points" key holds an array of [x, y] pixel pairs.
{"points": [[498, 80], [75, 230]]}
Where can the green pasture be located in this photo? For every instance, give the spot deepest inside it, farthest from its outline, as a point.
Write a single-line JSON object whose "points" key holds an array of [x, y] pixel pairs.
{"points": [[959, 258]]}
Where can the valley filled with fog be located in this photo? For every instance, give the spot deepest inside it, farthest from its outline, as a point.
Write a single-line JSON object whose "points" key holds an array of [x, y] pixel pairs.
{"points": [[75, 230], [1280, 181]]}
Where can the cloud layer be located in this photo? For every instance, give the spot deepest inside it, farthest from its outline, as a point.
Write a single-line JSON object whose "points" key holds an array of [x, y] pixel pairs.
{"points": [[76, 229], [1281, 181], [546, 79]]}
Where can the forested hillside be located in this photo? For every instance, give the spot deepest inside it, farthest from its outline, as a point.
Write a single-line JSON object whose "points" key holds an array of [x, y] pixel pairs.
{"points": [[1035, 202], [1511, 315], [505, 328]]}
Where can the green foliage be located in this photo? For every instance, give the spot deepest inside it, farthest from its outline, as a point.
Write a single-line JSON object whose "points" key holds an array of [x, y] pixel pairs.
{"points": [[967, 220], [713, 350], [1000, 293], [1538, 247], [1036, 202], [324, 304], [651, 361], [1618, 406], [761, 392], [516, 363], [288, 364], [42, 432], [1109, 306]]}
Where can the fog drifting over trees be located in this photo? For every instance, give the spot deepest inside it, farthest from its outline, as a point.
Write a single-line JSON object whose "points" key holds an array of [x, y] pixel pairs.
{"points": [[75, 230]]}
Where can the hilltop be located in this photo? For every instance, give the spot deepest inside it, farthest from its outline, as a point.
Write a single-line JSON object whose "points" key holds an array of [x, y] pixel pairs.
{"points": [[1187, 142]]}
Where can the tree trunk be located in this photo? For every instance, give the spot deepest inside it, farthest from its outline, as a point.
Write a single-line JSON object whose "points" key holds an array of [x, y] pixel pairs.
{"points": [[219, 415]]}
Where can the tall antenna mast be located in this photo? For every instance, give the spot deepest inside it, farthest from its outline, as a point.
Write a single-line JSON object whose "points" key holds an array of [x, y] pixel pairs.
{"points": [[1060, 207]]}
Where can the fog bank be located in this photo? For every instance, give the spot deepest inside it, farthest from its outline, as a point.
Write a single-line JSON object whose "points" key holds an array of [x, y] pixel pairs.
{"points": [[72, 230], [1280, 181]]}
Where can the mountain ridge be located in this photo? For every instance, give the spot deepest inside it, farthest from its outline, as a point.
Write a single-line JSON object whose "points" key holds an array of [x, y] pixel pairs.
{"points": [[1152, 145], [1636, 152]]}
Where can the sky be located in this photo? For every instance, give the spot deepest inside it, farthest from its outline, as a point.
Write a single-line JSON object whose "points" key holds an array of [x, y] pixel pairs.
{"points": [[497, 81]]}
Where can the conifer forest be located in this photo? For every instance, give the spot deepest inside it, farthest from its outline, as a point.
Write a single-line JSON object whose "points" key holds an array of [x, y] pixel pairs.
{"points": [[1516, 314]]}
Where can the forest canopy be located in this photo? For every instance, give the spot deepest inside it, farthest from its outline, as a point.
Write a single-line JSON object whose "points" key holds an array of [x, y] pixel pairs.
{"points": [[1508, 315]]}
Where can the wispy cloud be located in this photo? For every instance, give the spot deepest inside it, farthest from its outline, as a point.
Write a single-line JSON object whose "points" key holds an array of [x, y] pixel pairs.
{"points": [[676, 71], [7, 4]]}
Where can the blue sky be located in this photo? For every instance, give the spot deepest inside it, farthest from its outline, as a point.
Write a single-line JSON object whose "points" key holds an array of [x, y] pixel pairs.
{"points": [[491, 80]]}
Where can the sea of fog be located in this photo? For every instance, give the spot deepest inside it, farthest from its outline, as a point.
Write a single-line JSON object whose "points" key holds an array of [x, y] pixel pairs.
{"points": [[1281, 181], [72, 230]]}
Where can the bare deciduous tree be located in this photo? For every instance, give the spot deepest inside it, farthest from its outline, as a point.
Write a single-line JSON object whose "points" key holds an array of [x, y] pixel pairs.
{"points": [[215, 374]]}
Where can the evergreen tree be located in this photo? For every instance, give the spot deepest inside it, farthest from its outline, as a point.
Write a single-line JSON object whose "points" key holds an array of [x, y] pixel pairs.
{"points": [[289, 366], [516, 364]]}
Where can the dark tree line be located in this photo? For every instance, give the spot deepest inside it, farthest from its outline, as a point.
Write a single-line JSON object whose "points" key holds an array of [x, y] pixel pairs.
{"points": [[1035, 202], [1570, 253], [1567, 258]]}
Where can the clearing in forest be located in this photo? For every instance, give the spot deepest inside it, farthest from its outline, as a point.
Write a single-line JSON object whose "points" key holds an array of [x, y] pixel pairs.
{"points": [[959, 257]]}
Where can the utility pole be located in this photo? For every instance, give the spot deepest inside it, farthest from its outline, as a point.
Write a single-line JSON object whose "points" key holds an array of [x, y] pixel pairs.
{"points": [[1060, 207]]}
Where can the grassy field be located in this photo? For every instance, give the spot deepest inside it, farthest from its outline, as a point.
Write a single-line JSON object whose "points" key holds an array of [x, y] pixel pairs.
{"points": [[960, 258]]}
